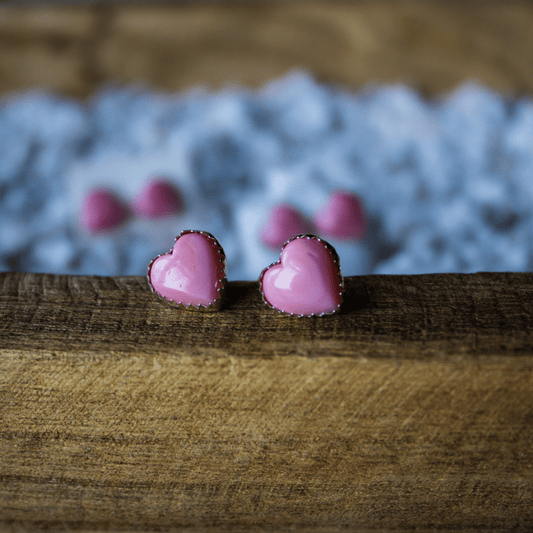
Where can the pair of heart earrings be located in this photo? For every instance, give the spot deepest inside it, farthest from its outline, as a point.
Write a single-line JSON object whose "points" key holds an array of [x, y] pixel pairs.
{"points": [[306, 281], [103, 210]]}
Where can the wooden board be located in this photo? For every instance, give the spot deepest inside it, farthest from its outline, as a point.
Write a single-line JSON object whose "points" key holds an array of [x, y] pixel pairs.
{"points": [[411, 409], [432, 45]]}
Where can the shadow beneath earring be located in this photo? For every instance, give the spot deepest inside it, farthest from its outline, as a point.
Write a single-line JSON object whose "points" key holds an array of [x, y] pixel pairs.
{"points": [[245, 297], [356, 295], [242, 296]]}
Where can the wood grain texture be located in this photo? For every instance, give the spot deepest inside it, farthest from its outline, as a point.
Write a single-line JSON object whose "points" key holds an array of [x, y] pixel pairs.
{"points": [[411, 409], [432, 45]]}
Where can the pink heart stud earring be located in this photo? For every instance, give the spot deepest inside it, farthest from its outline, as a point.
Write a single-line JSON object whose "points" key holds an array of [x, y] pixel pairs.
{"points": [[102, 210], [284, 222], [306, 281], [192, 275], [343, 217], [159, 199]]}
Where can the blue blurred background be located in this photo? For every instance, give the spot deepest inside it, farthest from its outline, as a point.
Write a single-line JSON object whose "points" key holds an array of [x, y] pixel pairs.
{"points": [[242, 106]]}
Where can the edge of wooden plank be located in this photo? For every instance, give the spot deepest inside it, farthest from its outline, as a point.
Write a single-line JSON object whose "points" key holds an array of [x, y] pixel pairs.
{"points": [[427, 316]]}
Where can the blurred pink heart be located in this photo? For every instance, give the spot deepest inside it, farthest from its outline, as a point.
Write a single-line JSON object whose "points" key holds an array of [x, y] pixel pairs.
{"points": [[158, 199], [285, 221], [193, 273], [342, 217], [306, 281], [102, 210]]}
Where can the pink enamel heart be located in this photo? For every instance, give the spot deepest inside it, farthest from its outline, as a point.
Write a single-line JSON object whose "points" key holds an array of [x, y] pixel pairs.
{"points": [[284, 222], [306, 281], [159, 199], [342, 217], [102, 210], [193, 274]]}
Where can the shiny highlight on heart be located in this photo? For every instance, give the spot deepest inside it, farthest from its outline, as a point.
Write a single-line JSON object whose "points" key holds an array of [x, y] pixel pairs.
{"points": [[306, 281]]}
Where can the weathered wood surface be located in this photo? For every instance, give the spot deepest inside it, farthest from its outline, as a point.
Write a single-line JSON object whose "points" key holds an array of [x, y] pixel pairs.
{"points": [[412, 409], [432, 45]]}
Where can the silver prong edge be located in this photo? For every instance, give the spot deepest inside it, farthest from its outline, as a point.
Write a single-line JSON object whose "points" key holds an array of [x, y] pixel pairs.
{"points": [[336, 260], [215, 306]]}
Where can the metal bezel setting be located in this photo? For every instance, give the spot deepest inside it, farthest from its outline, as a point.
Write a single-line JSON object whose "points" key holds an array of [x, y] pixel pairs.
{"points": [[215, 306], [336, 260]]}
